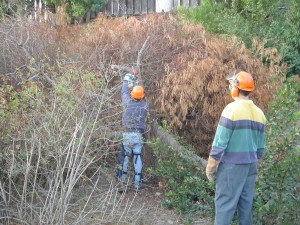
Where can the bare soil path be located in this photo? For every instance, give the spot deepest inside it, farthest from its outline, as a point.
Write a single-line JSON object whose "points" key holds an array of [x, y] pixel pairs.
{"points": [[143, 207], [152, 212]]}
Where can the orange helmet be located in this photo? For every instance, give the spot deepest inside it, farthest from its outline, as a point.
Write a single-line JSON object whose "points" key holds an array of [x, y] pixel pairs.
{"points": [[138, 92], [243, 81]]}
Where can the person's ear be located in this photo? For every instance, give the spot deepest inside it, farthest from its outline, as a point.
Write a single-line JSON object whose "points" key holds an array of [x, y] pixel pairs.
{"points": [[234, 92]]}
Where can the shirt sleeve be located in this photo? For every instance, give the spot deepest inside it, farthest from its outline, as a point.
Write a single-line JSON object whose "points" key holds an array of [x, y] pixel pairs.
{"points": [[124, 92], [261, 145], [222, 136], [262, 138]]}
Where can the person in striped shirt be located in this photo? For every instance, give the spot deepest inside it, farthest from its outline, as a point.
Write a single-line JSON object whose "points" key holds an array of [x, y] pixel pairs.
{"points": [[237, 146]]}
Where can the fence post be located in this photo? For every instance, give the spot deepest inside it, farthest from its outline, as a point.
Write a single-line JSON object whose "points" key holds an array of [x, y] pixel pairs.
{"points": [[130, 7]]}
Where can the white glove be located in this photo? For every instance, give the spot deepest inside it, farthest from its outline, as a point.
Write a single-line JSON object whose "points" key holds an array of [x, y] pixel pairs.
{"points": [[211, 176], [129, 77], [211, 169]]}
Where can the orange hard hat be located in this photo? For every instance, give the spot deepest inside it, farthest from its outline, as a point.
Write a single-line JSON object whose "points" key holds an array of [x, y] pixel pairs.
{"points": [[243, 81], [138, 92]]}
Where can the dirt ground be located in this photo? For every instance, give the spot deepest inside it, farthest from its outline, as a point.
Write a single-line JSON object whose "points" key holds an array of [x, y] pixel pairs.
{"points": [[147, 209], [143, 207]]}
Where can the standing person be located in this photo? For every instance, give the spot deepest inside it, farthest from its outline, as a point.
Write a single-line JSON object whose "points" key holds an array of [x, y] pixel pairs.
{"points": [[135, 110], [238, 144]]}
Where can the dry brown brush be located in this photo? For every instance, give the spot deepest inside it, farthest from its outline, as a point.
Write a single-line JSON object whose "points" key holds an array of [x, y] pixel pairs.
{"points": [[183, 69]]}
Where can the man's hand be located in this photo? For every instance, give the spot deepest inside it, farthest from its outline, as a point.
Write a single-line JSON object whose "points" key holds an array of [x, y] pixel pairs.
{"points": [[129, 77], [211, 168], [211, 176]]}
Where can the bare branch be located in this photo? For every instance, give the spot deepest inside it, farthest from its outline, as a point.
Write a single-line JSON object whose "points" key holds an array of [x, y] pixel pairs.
{"points": [[140, 54], [121, 68]]}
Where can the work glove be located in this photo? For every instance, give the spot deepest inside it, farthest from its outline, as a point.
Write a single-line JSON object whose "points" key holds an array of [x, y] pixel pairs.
{"points": [[131, 79], [211, 169]]}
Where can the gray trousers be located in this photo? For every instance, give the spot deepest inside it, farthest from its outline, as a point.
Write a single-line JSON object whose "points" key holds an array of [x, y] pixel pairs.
{"points": [[235, 192], [133, 145]]}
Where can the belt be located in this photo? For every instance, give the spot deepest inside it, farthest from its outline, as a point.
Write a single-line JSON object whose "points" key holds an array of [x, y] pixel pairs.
{"points": [[139, 130]]}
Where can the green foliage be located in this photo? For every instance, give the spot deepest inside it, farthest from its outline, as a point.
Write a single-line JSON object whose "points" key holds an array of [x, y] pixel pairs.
{"points": [[79, 8], [204, 15], [165, 124], [277, 198], [186, 188], [276, 21], [12, 7]]}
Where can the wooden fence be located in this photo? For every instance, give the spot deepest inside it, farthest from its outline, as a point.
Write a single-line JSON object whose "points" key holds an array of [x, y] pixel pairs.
{"points": [[113, 7], [138, 7]]}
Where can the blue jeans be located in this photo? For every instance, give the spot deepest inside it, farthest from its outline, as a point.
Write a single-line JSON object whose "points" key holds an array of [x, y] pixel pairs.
{"points": [[133, 145], [235, 192]]}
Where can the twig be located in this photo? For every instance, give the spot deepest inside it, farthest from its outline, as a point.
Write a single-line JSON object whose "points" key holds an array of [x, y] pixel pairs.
{"points": [[121, 68], [13, 218], [138, 61]]}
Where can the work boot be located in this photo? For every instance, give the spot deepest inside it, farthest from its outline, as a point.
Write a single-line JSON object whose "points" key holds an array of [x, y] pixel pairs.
{"points": [[122, 183], [137, 186], [121, 187], [123, 179]]}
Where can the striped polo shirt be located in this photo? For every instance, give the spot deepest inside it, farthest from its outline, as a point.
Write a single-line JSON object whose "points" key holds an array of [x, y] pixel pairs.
{"points": [[240, 135]]}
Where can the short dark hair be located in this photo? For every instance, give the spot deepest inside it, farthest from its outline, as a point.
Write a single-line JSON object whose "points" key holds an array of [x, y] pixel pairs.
{"points": [[244, 93]]}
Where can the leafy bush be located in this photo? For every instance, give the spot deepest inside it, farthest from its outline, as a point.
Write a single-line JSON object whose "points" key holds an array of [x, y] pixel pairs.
{"points": [[12, 7], [81, 8], [275, 21], [186, 188], [277, 198]]}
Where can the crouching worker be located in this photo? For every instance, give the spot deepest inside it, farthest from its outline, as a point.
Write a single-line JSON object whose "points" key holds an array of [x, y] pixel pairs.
{"points": [[135, 110]]}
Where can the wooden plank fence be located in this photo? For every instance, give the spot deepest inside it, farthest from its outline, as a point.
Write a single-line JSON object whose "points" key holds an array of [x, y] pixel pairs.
{"points": [[113, 8], [138, 7]]}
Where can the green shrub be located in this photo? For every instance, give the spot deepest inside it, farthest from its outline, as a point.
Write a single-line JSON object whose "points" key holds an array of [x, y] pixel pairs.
{"points": [[186, 187], [276, 21], [277, 199]]}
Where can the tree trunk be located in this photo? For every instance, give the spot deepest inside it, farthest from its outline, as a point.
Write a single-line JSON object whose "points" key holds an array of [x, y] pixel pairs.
{"points": [[168, 139], [88, 16]]}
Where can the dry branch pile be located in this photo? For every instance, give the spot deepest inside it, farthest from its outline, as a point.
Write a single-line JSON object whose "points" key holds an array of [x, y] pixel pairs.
{"points": [[182, 68]]}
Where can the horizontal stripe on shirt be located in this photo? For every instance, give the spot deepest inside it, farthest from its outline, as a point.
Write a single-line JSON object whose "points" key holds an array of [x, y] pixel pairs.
{"points": [[239, 157], [244, 110], [241, 124], [240, 135]]}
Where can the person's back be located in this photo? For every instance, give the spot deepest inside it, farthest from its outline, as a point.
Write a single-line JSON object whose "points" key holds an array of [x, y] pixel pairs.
{"points": [[134, 114], [238, 144], [135, 110], [245, 123]]}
